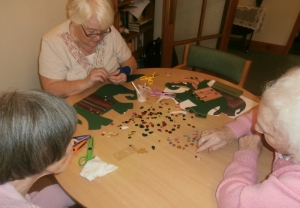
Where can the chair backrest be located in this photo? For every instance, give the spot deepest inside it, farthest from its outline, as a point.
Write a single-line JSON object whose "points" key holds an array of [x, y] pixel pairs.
{"points": [[222, 63]]}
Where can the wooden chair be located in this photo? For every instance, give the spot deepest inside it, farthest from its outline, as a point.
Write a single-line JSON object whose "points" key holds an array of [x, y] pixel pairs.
{"points": [[218, 63]]}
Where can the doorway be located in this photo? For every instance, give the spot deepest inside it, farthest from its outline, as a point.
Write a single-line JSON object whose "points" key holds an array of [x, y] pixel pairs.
{"points": [[206, 22], [294, 39], [295, 48]]}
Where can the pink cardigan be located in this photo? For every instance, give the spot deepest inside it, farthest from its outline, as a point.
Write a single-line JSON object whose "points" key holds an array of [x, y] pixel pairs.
{"points": [[244, 124], [50, 197], [240, 187]]}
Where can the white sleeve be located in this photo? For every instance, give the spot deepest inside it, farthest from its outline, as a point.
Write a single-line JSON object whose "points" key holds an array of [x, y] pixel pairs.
{"points": [[51, 64], [121, 49]]}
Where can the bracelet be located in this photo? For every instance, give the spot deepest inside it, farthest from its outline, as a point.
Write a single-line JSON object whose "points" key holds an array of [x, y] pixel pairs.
{"points": [[126, 70]]}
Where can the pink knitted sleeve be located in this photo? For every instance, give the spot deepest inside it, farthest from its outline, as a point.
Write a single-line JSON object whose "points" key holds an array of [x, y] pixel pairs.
{"points": [[244, 124], [241, 172], [240, 187], [51, 196]]}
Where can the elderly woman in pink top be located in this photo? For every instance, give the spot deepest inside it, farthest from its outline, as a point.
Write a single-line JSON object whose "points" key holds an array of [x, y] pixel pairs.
{"points": [[36, 130], [278, 120]]}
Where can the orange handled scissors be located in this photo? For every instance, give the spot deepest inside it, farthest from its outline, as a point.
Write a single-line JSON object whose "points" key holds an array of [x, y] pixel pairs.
{"points": [[150, 78], [89, 155]]}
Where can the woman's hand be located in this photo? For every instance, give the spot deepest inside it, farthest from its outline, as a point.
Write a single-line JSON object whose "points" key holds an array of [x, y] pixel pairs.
{"points": [[213, 139], [251, 142], [117, 78], [97, 75]]}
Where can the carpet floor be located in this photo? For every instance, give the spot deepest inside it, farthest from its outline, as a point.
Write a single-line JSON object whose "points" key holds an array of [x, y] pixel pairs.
{"points": [[265, 66]]}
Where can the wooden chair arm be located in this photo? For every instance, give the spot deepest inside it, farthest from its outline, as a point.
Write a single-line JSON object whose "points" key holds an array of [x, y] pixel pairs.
{"points": [[180, 66]]}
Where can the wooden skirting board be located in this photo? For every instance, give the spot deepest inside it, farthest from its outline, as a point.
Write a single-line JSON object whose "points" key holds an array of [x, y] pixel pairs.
{"points": [[264, 47], [267, 47]]}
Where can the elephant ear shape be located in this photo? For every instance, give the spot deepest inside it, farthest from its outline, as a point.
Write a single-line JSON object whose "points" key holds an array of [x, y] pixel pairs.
{"points": [[171, 86], [176, 86], [131, 97]]}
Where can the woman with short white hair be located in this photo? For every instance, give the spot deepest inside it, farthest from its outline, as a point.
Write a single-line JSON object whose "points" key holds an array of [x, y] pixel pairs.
{"points": [[84, 50], [278, 120]]}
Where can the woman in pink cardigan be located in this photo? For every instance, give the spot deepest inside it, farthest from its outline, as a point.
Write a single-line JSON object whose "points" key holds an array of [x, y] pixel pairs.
{"points": [[278, 120]]}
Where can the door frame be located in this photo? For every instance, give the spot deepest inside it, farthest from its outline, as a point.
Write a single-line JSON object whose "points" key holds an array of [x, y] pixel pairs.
{"points": [[168, 28], [291, 39]]}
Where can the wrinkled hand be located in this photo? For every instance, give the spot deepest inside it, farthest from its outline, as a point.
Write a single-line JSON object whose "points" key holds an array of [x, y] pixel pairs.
{"points": [[251, 142], [213, 139], [97, 75], [117, 78]]}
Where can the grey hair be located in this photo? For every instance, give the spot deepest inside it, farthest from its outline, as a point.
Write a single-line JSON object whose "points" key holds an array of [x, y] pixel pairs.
{"points": [[36, 128], [279, 110], [81, 10]]}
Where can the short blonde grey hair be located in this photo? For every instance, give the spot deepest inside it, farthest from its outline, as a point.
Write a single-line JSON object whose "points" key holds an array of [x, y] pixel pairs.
{"points": [[81, 10], [279, 110]]}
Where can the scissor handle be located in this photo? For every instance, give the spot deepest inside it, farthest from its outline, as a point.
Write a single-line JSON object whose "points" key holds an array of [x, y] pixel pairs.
{"points": [[148, 79], [143, 78], [82, 161], [153, 74], [89, 155]]}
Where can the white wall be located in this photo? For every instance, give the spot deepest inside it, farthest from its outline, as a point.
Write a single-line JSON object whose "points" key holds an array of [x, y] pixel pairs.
{"points": [[276, 28], [158, 18], [23, 23], [279, 20]]}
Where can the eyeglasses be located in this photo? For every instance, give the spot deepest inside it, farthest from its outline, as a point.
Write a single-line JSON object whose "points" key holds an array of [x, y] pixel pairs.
{"points": [[102, 33]]}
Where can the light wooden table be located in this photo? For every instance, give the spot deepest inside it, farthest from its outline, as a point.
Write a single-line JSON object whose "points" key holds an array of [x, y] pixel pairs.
{"points": [[164, 177]]}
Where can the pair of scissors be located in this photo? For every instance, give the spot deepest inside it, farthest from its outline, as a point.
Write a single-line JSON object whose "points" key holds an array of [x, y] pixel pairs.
{"points": [[89, 155], [150, 78]]}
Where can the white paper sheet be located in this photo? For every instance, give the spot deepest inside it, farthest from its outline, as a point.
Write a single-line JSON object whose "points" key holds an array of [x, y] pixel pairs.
{"points": [[140, 6], [96, 168]]}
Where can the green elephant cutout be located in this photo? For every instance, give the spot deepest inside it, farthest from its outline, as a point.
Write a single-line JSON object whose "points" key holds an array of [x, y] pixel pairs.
{"points": [[94, 106], [202, 107]]}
